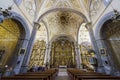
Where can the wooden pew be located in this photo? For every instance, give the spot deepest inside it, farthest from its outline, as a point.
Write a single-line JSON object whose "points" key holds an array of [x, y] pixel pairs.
{"points": [[74, 73], [43, 75], [82, 75], [51, 73], [100, 79], [96, 77], [25, 78], [27, 75]]}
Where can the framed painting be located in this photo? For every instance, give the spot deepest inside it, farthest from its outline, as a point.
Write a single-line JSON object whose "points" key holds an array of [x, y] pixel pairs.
{"points": [[103, 51]]}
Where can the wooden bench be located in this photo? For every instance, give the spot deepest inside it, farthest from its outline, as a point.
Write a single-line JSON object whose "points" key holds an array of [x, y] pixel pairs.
{"points": [[96, 77], [48, 75], [73, 73], [26, 78], [100, 79], [43, 75], [84, 74]]}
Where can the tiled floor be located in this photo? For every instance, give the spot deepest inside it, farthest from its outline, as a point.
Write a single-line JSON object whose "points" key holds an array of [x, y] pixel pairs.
{"points": [[62, 75], [62, 78]]}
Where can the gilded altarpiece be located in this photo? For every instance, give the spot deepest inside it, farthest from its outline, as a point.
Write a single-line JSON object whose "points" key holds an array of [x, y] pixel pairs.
{"points": [[38, 54], [62, 54], [9, 37]]}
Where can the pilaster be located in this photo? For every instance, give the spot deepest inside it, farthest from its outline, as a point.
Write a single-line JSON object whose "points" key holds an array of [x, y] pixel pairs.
{"points": [[26, 60], [95, 47]]}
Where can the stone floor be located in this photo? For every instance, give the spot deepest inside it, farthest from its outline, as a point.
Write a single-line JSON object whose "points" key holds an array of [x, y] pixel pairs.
{"points": [[62, 75]]}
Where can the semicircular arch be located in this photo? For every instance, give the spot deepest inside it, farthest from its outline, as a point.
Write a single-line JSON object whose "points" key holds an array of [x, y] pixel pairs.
{"points": [[62, 9]]}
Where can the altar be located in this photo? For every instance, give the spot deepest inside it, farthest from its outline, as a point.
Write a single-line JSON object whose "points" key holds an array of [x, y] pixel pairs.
{"points": [[62, 66]]}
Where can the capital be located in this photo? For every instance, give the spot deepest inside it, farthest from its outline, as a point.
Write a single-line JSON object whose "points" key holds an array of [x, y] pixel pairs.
{"points": [[88, 23], [37, 25]]}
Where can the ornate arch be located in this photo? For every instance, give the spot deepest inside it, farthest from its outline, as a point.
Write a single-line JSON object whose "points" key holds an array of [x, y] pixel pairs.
{"points": [[62, 9], [67, 36], [106, 17], [19, 18], [23, 22]]}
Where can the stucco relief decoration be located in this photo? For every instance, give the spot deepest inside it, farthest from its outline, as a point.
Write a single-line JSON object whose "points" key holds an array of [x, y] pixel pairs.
{"points": [[63, 19], [41, 33], [75, 3], [95, 6], [51, 3], [30, 6]]}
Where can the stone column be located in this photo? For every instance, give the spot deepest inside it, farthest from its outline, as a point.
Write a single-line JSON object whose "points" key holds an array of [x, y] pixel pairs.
{"points": [[77, 55], [46, 54], [80, 66], [107, 58], [26, 60], [95, 47], [20, 56]]}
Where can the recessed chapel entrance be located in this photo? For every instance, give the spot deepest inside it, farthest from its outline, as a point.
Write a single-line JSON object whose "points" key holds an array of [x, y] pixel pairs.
{"points": [[110, 33], [12, 36]]}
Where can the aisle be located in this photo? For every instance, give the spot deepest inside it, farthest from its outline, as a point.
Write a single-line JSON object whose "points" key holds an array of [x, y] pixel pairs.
{"points": [[62, 75]]}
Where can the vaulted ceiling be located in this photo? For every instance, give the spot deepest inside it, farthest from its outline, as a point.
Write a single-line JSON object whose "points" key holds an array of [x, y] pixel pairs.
{"points": [[62, 23], [43, 6], [62, 17]]}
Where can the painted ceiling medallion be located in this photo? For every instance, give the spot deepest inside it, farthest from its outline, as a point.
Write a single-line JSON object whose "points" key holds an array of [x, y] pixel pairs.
{"points": [[64, 18]]}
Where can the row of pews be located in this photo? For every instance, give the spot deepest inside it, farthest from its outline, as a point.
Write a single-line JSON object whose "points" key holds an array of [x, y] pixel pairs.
{"points": [[77, 74], [49, 74]]}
